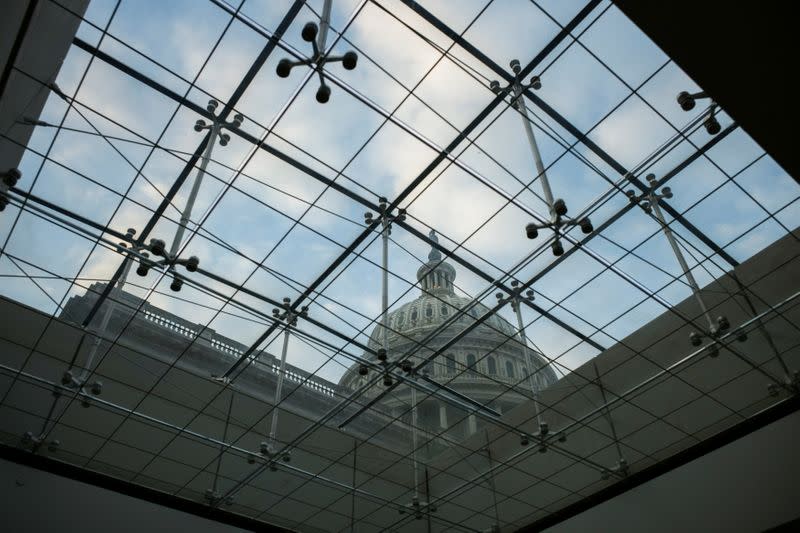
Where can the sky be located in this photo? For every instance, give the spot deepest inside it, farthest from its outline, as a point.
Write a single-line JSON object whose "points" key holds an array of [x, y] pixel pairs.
{"points": [[737, 195]]}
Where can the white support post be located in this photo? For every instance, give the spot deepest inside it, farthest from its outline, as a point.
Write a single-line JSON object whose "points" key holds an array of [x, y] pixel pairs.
{"points": [[681, 259], [324, 24], [528, 361], [279, 388], [110, 308], [519, 103], [186, 214]]}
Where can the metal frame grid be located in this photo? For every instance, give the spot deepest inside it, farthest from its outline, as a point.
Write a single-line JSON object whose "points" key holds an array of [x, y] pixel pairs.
{"points": [[359, 479]]}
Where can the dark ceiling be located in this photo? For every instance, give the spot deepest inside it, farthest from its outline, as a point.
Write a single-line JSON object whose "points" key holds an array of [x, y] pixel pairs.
{"points": [[742, 54]]}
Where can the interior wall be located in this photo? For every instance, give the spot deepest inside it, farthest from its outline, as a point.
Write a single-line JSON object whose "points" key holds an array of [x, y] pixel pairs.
{"points": [[747, 486]]}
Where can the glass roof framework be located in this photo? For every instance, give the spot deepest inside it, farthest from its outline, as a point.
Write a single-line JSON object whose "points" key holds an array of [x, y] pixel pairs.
{"points": [[416, 123]]}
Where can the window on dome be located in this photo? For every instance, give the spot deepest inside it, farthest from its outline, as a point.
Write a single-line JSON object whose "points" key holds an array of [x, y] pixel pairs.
{"points": [[450, 361], [510, 369], [492, 365], [414, 315], [444, 310], [471, 364], [429, 311], [400, 318]]}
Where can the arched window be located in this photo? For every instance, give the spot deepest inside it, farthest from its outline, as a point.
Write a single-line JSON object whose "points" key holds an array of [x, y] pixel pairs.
{"points": [[400, 318], [471, 364], [510, 369], [429, 311], [450, 361], [414, 315], [524, 371], [492, 365], [444, 310]]}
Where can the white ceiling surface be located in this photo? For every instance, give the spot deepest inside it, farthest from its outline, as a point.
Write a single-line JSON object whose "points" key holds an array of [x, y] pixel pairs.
{"points": [[522, 497], [749, 485]]}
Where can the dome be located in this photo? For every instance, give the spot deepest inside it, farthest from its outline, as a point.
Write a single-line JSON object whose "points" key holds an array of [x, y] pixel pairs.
{"points": [[489, 364]]}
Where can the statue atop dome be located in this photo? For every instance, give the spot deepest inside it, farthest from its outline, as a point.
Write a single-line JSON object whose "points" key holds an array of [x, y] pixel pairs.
{"points": [[434, 254]]}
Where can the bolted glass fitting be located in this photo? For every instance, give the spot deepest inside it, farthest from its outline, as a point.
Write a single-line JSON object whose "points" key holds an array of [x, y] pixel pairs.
{"points": [[199, 125], [713, 351], [97, 388], [560, 207], [494, 85], [544, 429], [273, 467], [542, 448], [323, 94], [287, 457], [723, 324], [606, 474], [712, 125], [53, 446], [536, 83], [212, 106], [251, 459], [586, 226], [192, 263], [11, 177], [309, 32], [176, 285], [238, 118], [562, 437], [350, 60], [287, 301], [741, 335], [363, 370], [558, 248], [515, 66], [686, 101], [264, 448], [67, 378], [407, 366], [523, 440], [695, 338], [224, 139], [529, 294], [143, 268], [387, 380], [773, 390], [85, 402], [284, 68], [531, 231], [158, 247], [381, 354], [666, 192]]}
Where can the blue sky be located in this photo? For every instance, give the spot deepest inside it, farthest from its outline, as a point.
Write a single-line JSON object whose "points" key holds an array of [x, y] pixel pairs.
{"points": [[180, 35]]}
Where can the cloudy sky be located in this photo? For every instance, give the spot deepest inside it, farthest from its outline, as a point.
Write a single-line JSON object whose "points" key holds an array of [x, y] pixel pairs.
{"points": [[608, 79]]}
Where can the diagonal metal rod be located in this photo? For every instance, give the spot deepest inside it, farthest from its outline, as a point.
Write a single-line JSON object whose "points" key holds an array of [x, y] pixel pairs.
{"points": [[186, 213], [563, 122], [279, 388], [724, 340], [50, 385], [333, 185], [519, 103], [228, 107], [654, 203]]}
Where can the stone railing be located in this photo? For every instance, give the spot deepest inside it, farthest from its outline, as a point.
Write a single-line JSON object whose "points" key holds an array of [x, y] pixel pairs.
{"points": [[226, 348], [169, 324], [299, 378]]}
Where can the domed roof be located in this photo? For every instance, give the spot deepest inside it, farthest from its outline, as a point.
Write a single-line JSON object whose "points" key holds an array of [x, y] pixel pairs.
{"points": [[429, 311], [437, 304]]}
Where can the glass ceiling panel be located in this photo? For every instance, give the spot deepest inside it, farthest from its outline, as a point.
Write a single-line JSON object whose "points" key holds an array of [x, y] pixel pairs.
{"points": [[201, 399]]}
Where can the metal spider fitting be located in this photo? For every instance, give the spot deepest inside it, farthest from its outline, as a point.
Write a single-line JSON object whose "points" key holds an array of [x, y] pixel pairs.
{"points": [[318, 59]]}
